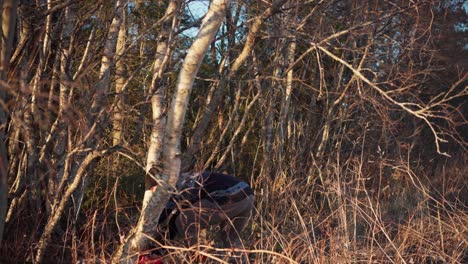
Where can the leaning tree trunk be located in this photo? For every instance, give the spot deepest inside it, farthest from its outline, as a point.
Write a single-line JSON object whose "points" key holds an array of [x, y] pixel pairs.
{"points": [[158, 92], [203, 124], [95, 125], [155, 198], [8, 11]]}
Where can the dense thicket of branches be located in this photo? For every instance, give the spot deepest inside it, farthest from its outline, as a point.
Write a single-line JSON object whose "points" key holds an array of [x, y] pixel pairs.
{"points": [[347, 117]]}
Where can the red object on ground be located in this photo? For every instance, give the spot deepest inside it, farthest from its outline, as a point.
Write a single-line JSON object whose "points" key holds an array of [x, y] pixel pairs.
{"points": [[149, 259]]}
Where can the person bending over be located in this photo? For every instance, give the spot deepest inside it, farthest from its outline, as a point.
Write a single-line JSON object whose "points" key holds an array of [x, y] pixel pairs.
{"points": [[208, 199]]}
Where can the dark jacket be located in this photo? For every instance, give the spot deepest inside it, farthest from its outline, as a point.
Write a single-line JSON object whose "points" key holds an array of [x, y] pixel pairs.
{"points": [[216, 187]]}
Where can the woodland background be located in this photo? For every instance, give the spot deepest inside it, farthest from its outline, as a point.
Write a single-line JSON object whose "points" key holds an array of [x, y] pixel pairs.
{"points": [[348, 118]]}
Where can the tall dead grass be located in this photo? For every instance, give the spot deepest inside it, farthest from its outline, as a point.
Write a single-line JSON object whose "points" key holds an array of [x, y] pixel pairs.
{"points": [[357, 215], [353, 211]]}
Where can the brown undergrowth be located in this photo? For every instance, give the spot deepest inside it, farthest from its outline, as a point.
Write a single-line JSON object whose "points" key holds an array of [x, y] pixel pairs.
{"points": [[360, 212]]}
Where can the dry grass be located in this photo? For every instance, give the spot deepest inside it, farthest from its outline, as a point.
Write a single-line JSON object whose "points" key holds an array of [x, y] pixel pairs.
{"points": [[358, 214], [349, 219]]}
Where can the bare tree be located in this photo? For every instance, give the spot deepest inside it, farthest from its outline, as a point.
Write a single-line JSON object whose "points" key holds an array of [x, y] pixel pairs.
{"points": [[156, 197], [94, 118], [158, 91], [220, 86], [340, 114], [120, 72]]}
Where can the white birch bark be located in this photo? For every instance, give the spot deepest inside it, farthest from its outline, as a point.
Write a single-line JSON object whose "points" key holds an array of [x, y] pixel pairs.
{"points": [[155, 198], [120, 70], [158, 94], [171, 151], [204, 122], [289, 86], [107, 60]]}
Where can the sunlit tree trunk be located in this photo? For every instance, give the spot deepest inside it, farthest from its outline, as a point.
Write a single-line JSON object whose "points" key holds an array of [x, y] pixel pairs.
{"points": [[156, 197], [158, 93], [8, 11], [203, 124], [120, 72], [95, 124]]}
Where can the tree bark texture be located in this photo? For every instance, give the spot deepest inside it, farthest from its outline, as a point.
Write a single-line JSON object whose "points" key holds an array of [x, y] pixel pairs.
{"points": [[8, 11], [158, 93], [120, 72]]}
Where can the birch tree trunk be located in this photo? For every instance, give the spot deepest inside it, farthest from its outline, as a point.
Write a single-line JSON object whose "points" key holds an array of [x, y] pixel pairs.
{"points": [[106, 64], [155, 198], [158, 92], [95, 121], [204, 122], [59, 128], [9, 8], [120, 71], [286, 102]]}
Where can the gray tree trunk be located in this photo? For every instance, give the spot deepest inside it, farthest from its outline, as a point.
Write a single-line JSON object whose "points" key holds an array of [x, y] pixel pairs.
{"points": [[9, 8]]}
